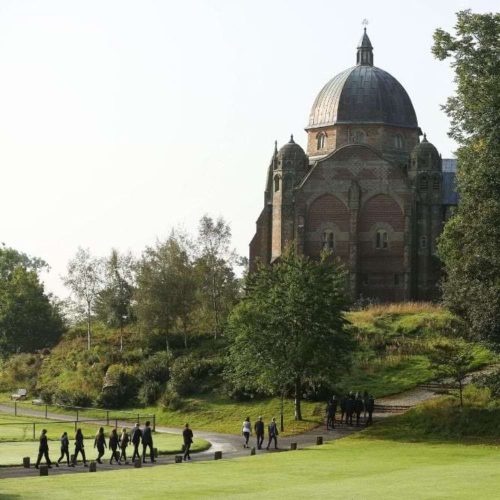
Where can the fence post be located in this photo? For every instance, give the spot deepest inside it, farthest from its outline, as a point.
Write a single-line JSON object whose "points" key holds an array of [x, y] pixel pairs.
{"points": [[15, 408], [154, 422], [116, 423], [46, 411], [107, 417], [138, 417], [77, 414], [75, 424], [34, 431]]}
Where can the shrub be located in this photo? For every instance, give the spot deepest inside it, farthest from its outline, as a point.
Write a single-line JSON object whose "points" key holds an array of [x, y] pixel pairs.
{"points": [[149, 392], [120, 387], [20, 371]]}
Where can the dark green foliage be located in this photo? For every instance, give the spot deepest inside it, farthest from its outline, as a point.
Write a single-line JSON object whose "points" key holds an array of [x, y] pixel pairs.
{"points": [[120, 387], [28, 319], [289, 330], [470, 244]]}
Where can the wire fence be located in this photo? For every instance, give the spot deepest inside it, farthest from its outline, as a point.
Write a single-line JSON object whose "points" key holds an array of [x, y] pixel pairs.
{"points": [[27, 430]]}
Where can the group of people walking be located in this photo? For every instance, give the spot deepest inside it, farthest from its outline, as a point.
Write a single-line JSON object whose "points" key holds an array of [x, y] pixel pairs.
{"points": [[259, 427], [351, 405], [117, 444]]}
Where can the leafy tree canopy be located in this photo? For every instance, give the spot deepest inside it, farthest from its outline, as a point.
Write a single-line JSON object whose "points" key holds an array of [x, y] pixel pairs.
{"points": [[289, 328], [470, 244]]}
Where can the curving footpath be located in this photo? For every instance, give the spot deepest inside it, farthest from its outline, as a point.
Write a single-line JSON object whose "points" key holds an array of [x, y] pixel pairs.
{"points": [[230, 445]]}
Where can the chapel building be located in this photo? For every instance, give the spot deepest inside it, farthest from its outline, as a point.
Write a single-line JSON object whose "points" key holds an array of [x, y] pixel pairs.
{"points": [[368, 188]]}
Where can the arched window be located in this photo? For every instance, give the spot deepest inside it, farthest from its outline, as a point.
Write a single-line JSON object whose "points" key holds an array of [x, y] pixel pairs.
{"points": [[423, 242], [328, 240], [320, 141], [424, 183], [358, 137], [276, 183], [398, 141], [436, 184], [381, 239]]}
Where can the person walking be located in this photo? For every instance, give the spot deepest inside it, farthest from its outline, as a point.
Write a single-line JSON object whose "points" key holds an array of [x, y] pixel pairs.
{"points": [[79, 447], [43, 450], [147, 441], [64, 448], [124, 440], [100, 444], [114, 441], [272, 431], [366, 397], [246, 431], [349, 408], [187, 435], [259, 432], [343, 409], [136, 436], [370, 408], [358, 408]]}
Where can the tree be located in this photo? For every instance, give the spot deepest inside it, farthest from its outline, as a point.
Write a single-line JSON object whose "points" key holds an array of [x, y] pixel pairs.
{"points": [[29, 318], [453, 361], [114, 302], [289, 328], [215, 262], [470, 244], [157, 297], [85, 279]]}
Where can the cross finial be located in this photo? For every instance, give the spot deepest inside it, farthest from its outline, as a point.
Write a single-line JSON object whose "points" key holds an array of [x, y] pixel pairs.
{"points": [[365, 23]]}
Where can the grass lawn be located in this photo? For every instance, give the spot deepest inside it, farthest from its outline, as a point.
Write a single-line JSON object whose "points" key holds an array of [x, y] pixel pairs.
{"points": [[350, 468], [211, 413], [16, 439]]}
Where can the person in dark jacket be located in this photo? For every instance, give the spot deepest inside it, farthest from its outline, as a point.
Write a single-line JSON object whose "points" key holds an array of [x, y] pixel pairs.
{"points": [[349, 409], [147, 441], [79, 447], [124, 440], [331, 410], [187, 435], [369, 408], [64, 448], [272, 432], [358, 408], [100, 444], [136, 436], [43, 450], [259, 432], [114, 441], [343, 408]]}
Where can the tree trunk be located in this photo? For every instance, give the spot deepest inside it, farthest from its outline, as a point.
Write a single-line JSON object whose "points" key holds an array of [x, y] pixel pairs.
{"points": [[121, 338], [88, 326], [282, 417], [460, 388], [298, 397]]}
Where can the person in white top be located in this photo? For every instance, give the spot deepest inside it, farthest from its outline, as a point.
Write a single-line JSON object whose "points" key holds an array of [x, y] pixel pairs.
{"points": [[247, 430]]}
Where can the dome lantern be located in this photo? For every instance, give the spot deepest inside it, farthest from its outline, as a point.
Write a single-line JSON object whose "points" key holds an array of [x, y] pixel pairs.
{"points": [[364, 55]]}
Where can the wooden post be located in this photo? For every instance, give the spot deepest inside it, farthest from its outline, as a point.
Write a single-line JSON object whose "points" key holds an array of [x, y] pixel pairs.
{"points": [[155, 452], [46, 411], [107, 417], [137, 463], [77, 415], [73, 461], [252, 451], [218, 455], [26, 462], [34, 431], [178, 459], [154, 423], [319, 440], [44, 470], [293, 446], [93, 466], [15, 408]]}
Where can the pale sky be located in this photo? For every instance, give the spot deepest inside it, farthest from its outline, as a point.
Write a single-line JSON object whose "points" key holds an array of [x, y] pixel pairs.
{"points": [[122, 119]]}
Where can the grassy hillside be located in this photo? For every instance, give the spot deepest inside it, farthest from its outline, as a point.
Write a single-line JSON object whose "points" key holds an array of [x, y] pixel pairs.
{"points": [[394, 345]]}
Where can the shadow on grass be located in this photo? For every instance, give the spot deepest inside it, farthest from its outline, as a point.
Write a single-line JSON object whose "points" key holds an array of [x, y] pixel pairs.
{"points": [[440, 422]]}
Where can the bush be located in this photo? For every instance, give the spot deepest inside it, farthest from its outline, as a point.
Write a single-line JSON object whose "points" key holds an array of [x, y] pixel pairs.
{"points": [[156, 368], [171, 399], [20, 371], [120, 387], [191, 374], [149, 392]]}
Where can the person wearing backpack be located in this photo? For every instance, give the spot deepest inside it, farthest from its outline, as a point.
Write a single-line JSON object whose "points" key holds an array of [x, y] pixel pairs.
{"points": [[114, 441], [65, 449], [124, 440], [273, 434], [100, 444]]}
